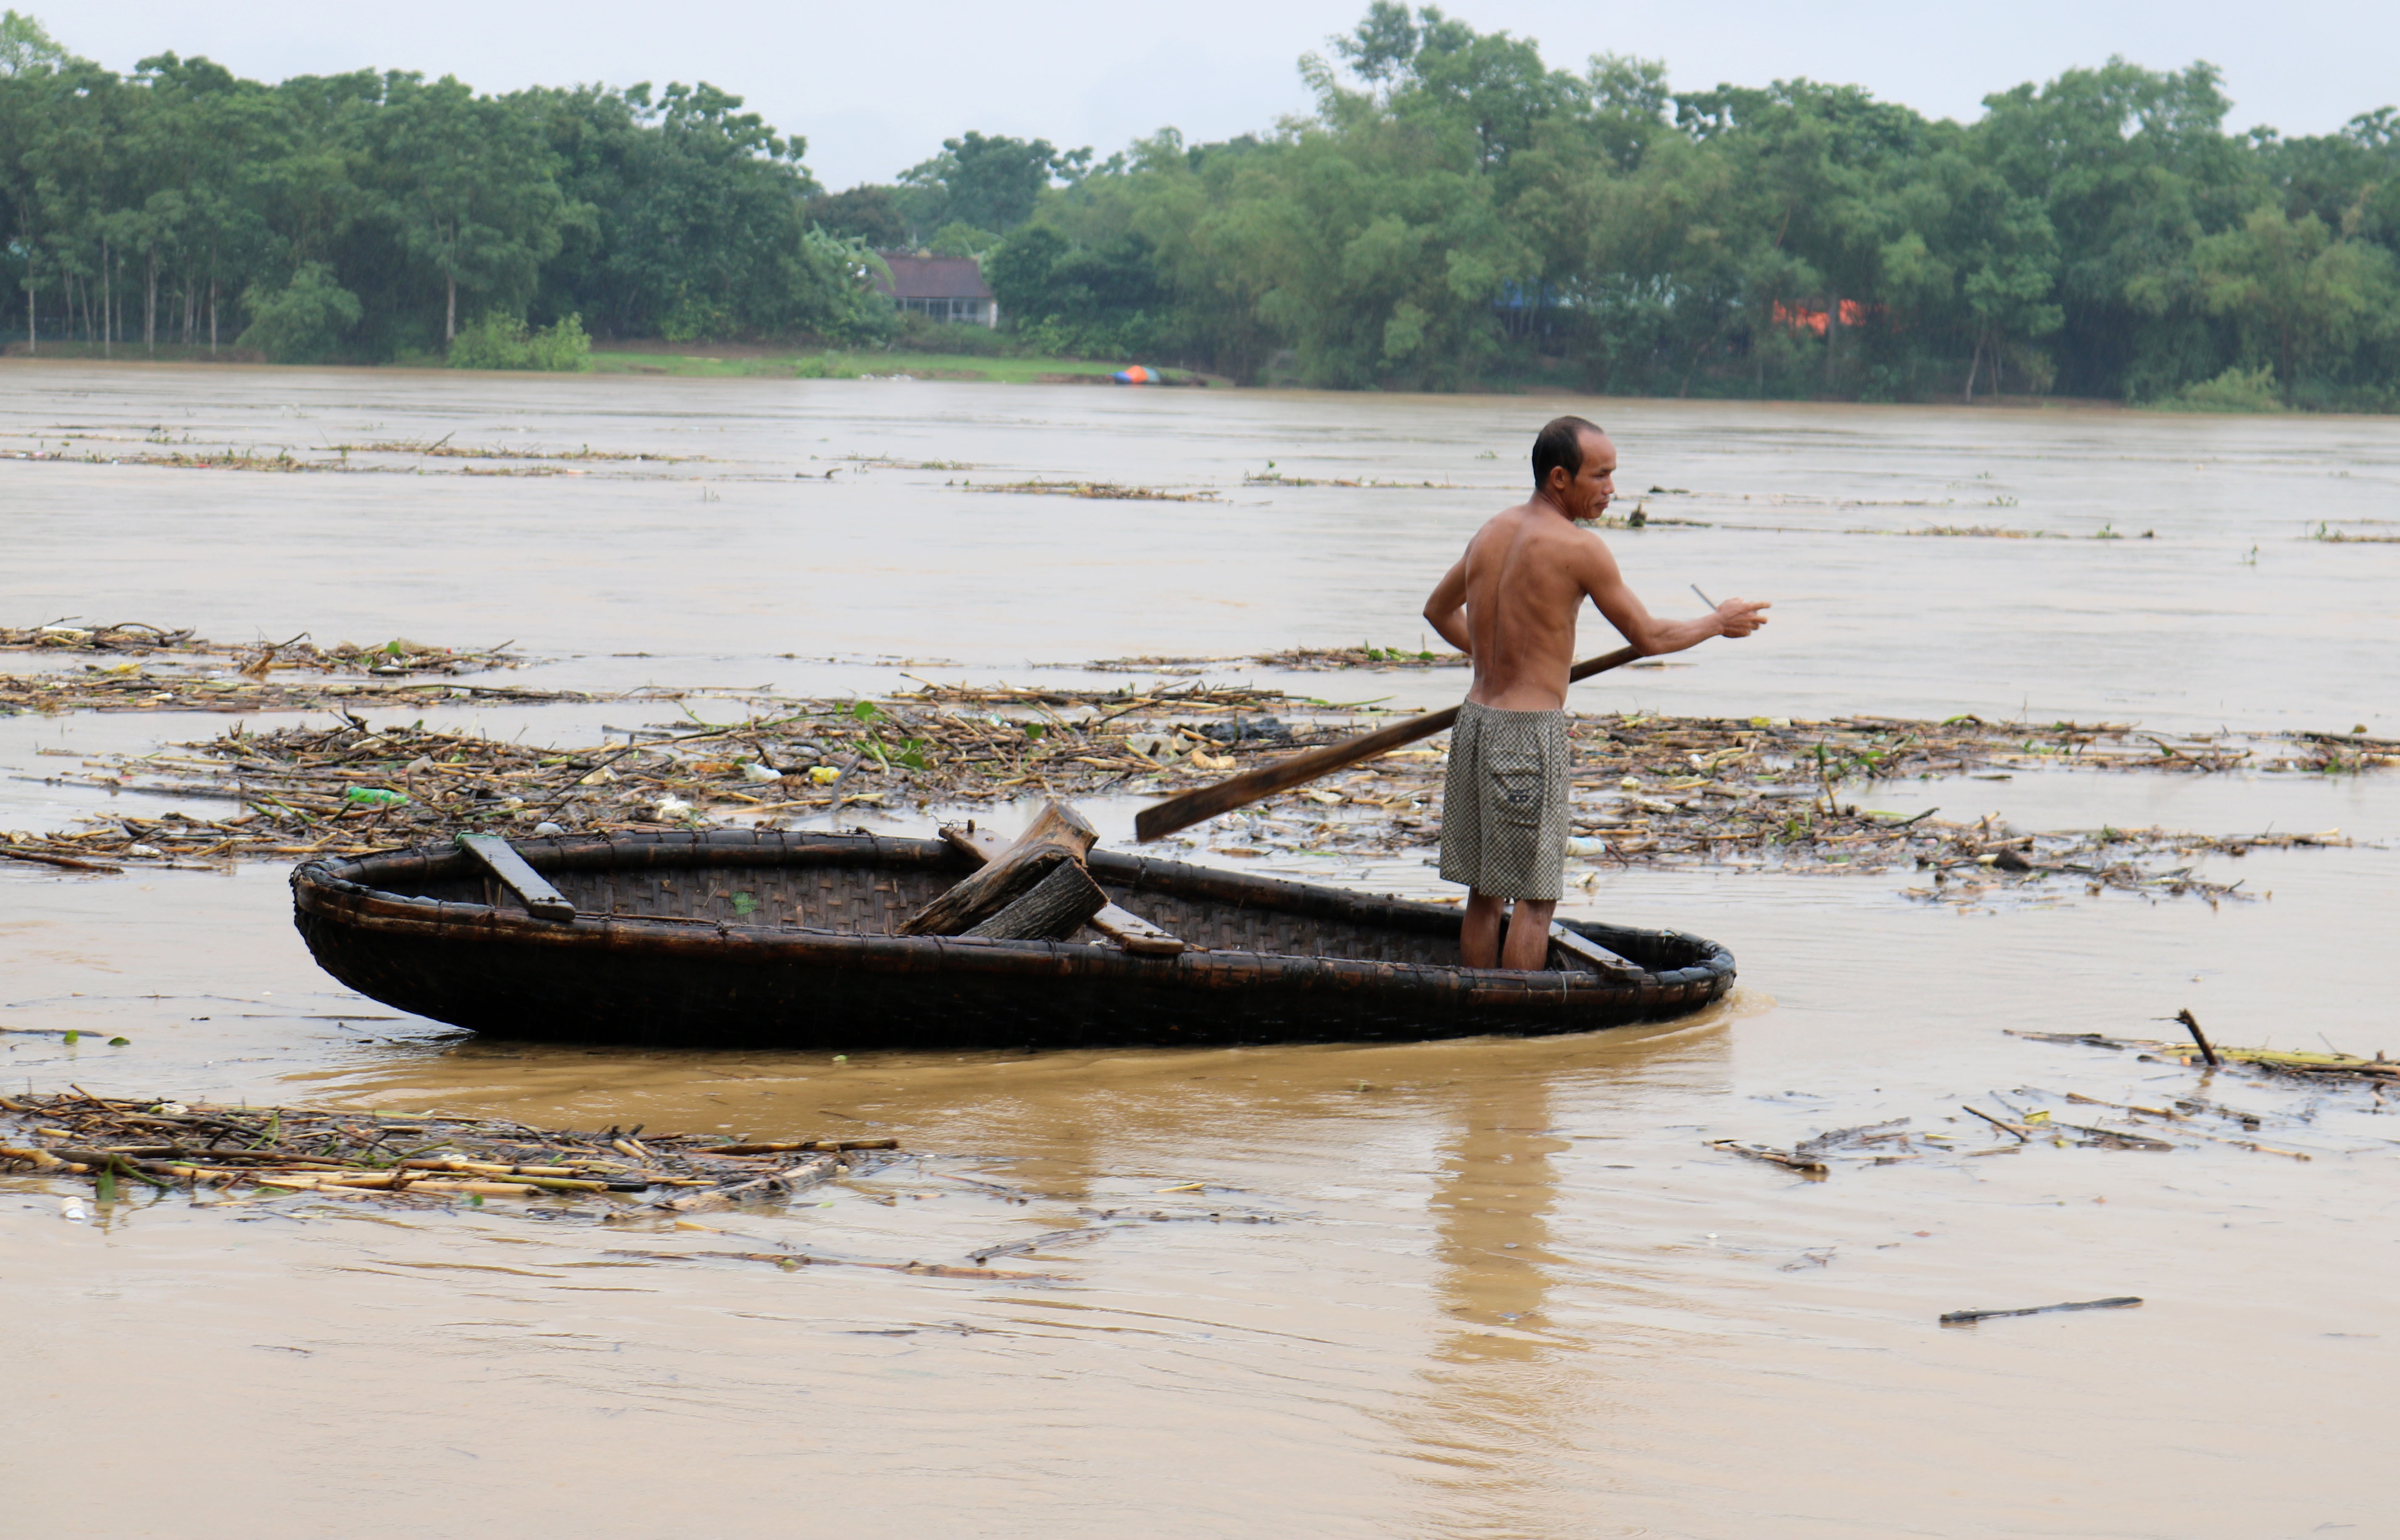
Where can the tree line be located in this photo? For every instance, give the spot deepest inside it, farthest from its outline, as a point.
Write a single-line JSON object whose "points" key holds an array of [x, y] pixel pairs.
{"points": [[1454, 212], [376, 216], [1457, 212]]}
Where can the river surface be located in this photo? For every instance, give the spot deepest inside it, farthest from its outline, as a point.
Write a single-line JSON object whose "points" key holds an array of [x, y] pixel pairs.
{"points": [[1488, 1288]]}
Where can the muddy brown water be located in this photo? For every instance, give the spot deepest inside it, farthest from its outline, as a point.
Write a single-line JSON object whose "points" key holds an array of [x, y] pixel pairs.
{"points": [[1491, 1288]]}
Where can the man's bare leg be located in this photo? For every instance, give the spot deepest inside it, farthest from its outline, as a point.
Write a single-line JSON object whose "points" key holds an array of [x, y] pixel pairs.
{"points": [[1478, 933], [1529, 934]]}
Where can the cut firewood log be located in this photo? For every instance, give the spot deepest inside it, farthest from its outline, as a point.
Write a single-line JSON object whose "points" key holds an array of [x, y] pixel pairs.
{"points": [[1116, 923], [1052, 909], [1059, 833]]}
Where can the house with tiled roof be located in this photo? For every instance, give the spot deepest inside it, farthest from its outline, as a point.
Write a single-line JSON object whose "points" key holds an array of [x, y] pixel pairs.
{"points": [[948, 289]]}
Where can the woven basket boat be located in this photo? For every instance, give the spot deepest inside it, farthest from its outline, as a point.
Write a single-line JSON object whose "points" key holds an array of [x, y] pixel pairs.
{"points": [[742, 939]]}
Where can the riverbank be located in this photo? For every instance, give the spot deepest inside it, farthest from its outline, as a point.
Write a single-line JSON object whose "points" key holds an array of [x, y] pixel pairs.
{"points": [[759, 360], [723, 361], [696, 361]]}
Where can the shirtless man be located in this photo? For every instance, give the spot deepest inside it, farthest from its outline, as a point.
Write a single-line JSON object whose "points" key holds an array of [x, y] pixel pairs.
{"points": [[1510, 606]]}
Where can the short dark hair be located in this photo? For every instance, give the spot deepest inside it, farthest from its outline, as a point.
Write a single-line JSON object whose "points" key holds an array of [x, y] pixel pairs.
{"points": [[1560, 443]]}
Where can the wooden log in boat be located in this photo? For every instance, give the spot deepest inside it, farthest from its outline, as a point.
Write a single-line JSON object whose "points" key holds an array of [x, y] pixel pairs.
{"points": [[1059, 833], [768, 939], [1052, 909], [1114, 921]]}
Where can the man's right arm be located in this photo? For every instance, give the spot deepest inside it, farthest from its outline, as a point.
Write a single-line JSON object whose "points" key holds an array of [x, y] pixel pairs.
{"points": [[1446, 610], [1600, 579]]}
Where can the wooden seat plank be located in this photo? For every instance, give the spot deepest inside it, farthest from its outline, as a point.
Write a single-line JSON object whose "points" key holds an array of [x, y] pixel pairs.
{"points": [[1584, 949], [532, 889]]}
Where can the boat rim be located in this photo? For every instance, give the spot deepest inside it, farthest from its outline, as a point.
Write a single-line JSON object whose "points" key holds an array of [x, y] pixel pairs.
{"points": [[349, 889]]}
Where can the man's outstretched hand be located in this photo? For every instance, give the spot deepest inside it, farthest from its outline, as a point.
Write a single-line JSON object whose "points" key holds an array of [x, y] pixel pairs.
{"points": [[1741, 616]]}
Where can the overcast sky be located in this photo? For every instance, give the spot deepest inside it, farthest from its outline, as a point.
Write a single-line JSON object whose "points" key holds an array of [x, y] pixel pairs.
{"points": [[876, 88]]}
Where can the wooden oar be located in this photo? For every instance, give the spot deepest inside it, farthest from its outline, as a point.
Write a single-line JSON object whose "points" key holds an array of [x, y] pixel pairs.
{"points": [[1161, 819]]}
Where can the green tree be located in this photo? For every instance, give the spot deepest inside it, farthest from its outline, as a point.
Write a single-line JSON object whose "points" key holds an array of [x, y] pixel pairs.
{"points": [[2131, 167], [25, 48], [1438, 71], [698, 222], [469, 182], [987, 183], [2301, 297], [865, 214], [1086, 300], [306, 320]]}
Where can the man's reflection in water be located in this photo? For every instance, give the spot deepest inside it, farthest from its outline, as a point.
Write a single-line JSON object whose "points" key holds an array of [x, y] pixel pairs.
{"points": [[1491, 1206], [1508, 1394]]}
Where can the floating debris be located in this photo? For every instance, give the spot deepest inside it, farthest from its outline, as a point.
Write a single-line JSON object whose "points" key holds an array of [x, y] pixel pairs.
{"points": [[1650, 790], [131, 691], [249, 683], [133, 637], [444, 449], [161, 1143], [1110, 490], [1272, 477], [390, 457], [1969, 531], [1790, 1160], [2032, 1119], [1969, 1318], [2270, 1062], [1295, 660]]}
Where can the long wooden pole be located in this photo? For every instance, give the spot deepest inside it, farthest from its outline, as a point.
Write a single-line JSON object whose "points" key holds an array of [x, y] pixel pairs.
{"points": [[1161, 819]]}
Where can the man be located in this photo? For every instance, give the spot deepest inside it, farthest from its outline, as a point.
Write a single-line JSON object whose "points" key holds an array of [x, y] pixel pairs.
{"points": [[1510, 606]]}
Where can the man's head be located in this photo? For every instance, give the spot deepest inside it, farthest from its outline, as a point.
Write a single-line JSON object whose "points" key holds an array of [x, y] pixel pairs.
{"points": [[1572, 464]]}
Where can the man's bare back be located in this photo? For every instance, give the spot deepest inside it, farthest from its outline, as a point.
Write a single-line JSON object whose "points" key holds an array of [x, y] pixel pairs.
{"points": [[1510, 605]]}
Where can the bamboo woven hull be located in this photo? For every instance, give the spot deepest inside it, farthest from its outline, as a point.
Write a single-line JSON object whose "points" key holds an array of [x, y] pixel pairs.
{"points": [[771, 940]]}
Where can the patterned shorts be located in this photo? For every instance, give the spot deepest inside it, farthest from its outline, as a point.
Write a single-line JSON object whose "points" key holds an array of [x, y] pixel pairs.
{"points": [[1504, 809]]}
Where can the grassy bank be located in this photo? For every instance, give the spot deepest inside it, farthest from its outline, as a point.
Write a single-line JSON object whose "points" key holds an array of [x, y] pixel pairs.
{"points": [[722, 361]]}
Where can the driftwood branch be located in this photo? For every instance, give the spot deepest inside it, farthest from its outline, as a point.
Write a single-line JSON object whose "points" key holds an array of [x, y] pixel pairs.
{"points": [[807, 1172], [1969, 1318]]}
